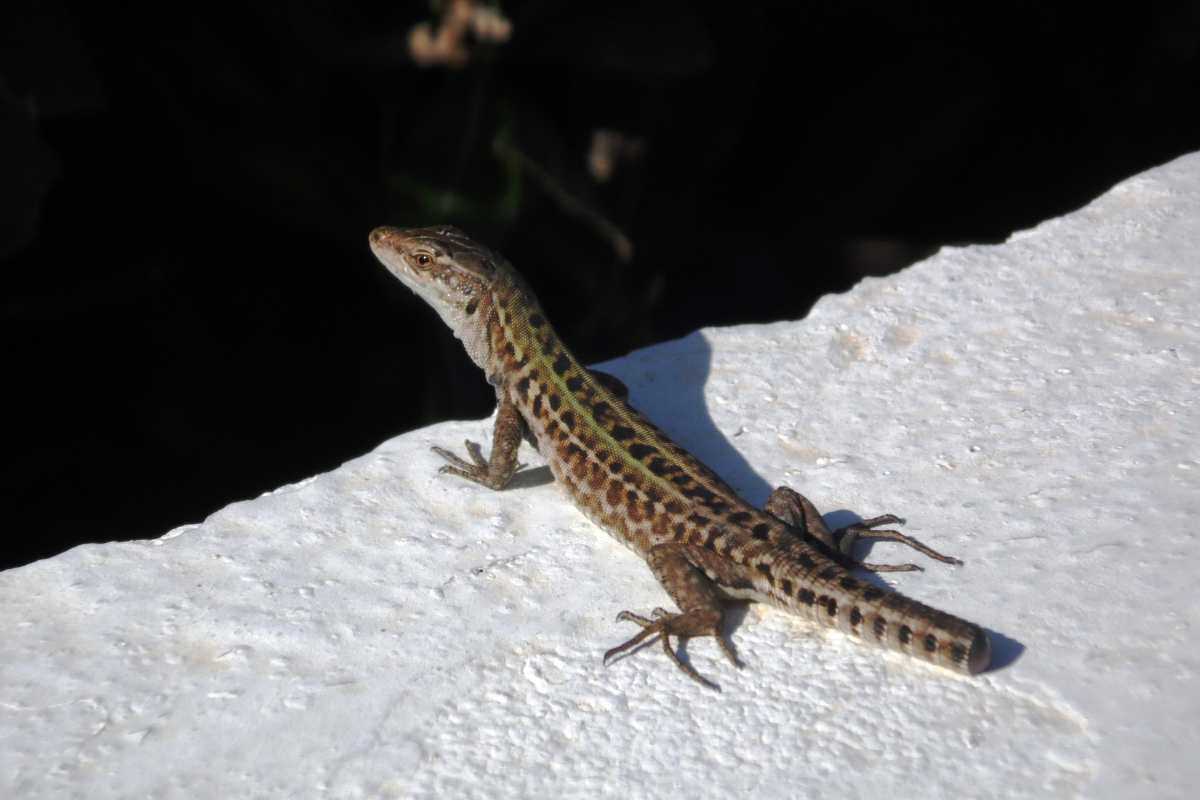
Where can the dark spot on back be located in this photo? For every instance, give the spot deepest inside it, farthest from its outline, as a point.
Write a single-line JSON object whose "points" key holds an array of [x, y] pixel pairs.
{"points": [[829, 573], [471, 306], [537, 406], [568, 418], [561, 364], [701, 493], [806, 596], [855, 616], [740, 517], [958, 653], [640, 451], [905, 634], [831, 607], [761, 531], [599, 411], [621, 433], [555, 401], [658, 466], [666, 466], [786, 586], [574, 383], [849, 584], [872, 594], [930, 643], [880, 627], [535, 320]]}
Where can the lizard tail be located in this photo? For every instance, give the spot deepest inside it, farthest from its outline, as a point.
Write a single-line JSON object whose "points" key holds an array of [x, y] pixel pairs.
{"points": [[887, 619]]}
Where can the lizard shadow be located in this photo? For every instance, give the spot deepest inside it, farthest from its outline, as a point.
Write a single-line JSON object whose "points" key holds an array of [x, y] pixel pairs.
{"points": [[530, 478], [1005, 651], [666, 384]]}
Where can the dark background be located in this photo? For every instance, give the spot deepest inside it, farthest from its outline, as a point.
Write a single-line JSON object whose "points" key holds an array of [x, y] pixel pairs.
{"points": [[191, 315]]}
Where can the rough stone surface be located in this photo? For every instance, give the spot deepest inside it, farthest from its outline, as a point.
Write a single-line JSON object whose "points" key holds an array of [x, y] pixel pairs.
{"points": [[381, 630]]}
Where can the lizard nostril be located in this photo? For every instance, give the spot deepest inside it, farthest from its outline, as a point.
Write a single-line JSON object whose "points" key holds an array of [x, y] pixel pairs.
{"points": [[384, 234]]}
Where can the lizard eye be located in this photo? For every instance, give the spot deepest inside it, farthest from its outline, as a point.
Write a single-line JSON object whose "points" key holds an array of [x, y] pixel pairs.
{"points": [[423, 259]]}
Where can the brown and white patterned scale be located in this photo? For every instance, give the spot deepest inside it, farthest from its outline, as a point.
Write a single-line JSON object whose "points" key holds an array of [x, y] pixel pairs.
{"points": [[703, 543]]}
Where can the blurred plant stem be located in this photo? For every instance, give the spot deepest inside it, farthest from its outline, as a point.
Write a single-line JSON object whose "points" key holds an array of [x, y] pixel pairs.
{"points": [[510, 154]]}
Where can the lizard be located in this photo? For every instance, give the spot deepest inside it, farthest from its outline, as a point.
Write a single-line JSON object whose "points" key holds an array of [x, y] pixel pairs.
{"points": [[704, 544]]}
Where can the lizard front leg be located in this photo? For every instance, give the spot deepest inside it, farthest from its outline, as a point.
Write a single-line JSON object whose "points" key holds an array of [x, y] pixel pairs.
{"points": [[494, 472], [788, 505], [674, 566]]}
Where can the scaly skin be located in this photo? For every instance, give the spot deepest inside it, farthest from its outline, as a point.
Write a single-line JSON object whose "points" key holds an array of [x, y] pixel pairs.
{"points": [[703, 543]]}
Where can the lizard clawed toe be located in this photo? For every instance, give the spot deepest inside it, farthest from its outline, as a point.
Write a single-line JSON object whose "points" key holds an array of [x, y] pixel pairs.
{"points": [[454, 460], [891, 567], [847, 537], [664, 624], [476, 453]]}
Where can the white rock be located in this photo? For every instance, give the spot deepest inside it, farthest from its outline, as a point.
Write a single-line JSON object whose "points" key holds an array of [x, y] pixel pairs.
{"points": [[384, 631]]}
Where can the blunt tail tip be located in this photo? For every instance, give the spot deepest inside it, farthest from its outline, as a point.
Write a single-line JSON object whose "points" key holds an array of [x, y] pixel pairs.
{"points": [[980, 654]]}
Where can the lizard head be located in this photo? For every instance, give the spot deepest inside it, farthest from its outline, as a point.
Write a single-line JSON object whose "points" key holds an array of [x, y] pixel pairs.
{"points": [[447, 270]]}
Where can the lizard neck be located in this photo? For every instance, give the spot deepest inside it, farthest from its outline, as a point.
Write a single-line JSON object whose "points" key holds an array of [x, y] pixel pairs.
{"points": [[514, 322]]}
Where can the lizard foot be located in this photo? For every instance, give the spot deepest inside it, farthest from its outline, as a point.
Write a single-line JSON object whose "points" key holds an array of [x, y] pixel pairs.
{"points": [[480, 471], [664, 624], [847, 536]]}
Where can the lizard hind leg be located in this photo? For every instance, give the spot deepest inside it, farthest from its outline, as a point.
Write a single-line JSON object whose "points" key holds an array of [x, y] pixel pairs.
{"points": [[693, 592], [798, 511]]}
